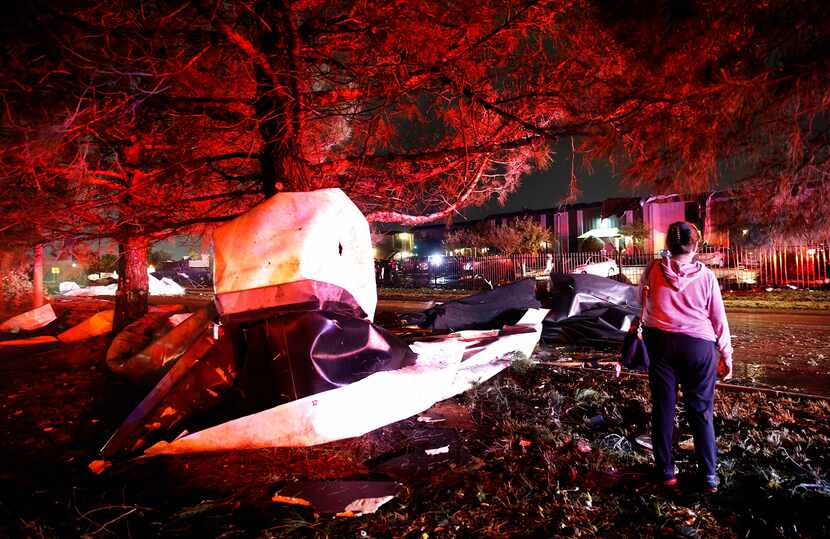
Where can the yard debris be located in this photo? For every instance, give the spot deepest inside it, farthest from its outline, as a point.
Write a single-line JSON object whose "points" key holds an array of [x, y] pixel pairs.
{"points": [[98, 466], [482, 483], [295, 341], [95, 290], [30, 320], [341, 498], [449, 414], [318, 351], [490, 309], [582, 446], [353, 410], [589, 310], [687, 445], [66, 286], [644, 441], [29, 341], [176, 319], [195, 383], [146, 366], [157, 287], [94, 326]]}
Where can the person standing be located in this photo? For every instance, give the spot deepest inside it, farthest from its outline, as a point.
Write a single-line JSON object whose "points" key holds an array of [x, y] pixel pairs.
{"points": [[684, 330]]}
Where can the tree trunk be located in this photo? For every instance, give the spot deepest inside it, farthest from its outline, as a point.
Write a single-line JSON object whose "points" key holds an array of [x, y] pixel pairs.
{"points": [[38, 277], [278, 107], [133, 284]]}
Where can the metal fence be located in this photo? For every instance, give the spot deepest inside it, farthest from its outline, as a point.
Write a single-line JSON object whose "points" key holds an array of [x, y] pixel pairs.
{"points": [[801, 266]]}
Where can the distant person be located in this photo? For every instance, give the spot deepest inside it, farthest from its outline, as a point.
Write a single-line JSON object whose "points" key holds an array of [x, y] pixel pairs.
{"points": [[685, 330]]}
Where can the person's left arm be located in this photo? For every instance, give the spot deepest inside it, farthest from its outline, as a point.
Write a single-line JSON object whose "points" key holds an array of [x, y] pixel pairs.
{"points": [[717, 315]]}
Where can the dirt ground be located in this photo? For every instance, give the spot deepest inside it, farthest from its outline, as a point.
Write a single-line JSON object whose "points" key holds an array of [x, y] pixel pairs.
{"points": [[540, 451]]}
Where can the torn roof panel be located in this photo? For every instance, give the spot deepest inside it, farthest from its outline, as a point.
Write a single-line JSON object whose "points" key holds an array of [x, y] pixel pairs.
{"points": [[317, 236]]}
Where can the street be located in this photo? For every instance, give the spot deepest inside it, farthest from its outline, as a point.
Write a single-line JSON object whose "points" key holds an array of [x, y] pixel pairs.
{"points": [[786, 349]]}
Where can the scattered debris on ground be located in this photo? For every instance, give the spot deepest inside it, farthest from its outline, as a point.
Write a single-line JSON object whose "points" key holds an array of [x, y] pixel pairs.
{"points": [[528, 456]]}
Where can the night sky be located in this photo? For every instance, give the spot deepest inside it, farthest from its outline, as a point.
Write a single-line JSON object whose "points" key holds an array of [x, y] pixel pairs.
{"points": [[547, 188]]}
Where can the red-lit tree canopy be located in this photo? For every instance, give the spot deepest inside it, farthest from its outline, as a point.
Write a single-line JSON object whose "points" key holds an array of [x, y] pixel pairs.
{"points": [[726, 90], [135, 120]]}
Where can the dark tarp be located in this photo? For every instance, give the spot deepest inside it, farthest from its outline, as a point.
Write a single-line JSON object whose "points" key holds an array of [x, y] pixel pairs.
{"points": [[589, 310], [294, 355], [489, 310], [575, 293], [598, 327]]}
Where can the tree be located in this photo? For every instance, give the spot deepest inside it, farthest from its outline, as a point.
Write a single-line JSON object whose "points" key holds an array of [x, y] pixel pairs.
{"points": [[111, 135], [727, 90], [638, 232], [474, 238], [158, 256], [521, 235], [505, 239], [105, 263], [135, 120], [534, 237], [148, 118]]}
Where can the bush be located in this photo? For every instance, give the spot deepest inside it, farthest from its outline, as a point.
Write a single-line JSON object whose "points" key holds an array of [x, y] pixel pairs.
{"points": [[15, 290]]}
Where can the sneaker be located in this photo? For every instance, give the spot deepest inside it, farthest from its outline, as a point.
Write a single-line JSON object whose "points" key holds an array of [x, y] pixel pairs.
{"points": [[710, 484]]}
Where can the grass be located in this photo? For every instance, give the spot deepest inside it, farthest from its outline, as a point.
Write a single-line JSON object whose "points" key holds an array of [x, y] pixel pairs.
{"points": [[775, 300], [779, 300], [422, 294]]}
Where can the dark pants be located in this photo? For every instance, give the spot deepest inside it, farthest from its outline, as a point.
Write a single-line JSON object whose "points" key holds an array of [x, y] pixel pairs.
{"points": [[675, 359]]}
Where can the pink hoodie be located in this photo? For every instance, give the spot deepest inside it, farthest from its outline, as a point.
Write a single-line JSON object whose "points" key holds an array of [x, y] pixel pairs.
{"points": [[685, 298]]}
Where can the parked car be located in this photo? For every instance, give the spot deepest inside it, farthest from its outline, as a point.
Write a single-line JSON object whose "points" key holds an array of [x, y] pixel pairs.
{"points": [[385, 269], [497, 270], [602, 266], [713, 258]]}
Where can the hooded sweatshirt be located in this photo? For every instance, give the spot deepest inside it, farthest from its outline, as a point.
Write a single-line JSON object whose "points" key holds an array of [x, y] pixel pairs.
{"points": [[685, 298]]}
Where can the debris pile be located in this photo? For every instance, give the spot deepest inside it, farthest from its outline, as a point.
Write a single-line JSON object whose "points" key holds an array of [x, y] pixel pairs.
{"points": [[157, 287], [291, 348]]}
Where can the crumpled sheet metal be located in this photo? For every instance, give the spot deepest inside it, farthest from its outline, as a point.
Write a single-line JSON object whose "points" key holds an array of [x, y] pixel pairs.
{"points": [[573, 294], [195, 383], [149, 365], [598, 327], [29, 341], [94, 326], [318, 235], [590, 310], [342, 498], [444, 367], [297, 296], [30, 320], [294, 355]]}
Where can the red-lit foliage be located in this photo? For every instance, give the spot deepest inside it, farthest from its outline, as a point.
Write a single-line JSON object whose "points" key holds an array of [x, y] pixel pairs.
{"points": [[135, 119], [734, 91]]}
